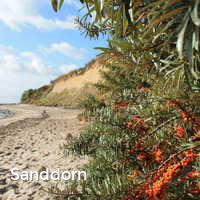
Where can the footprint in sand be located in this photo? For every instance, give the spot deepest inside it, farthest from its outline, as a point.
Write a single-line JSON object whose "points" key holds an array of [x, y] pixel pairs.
{"points": [[30, 142]]}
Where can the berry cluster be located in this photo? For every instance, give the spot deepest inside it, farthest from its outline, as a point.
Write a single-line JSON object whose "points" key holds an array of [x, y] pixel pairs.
{"points": [[154, 188], [121, 105], [138, 124], [180, 132]]}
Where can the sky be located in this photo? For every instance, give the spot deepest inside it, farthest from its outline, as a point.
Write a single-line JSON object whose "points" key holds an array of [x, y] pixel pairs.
{"points": [[37, 45]]}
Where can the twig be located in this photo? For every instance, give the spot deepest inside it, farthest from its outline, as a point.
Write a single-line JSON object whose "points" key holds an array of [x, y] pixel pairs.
{"points": [[160, 126]]}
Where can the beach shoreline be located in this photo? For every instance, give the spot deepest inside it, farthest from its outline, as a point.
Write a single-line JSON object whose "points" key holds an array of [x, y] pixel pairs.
{"points": [[31, 141]]}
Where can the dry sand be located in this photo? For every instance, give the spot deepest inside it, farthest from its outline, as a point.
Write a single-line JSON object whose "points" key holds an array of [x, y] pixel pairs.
{"points": [[30, 142]]}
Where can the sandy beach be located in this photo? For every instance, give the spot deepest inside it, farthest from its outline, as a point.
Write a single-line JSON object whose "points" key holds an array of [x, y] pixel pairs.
{"points": [[32, 141]]}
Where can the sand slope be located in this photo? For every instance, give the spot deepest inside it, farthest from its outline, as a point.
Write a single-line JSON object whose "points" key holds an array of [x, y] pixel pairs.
{"points": [[30, 142], [69, 82], [69, 89]]}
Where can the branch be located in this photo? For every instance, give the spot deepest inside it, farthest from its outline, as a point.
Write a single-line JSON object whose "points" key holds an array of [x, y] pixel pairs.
{"points": [[160, 126], [195, 146]]}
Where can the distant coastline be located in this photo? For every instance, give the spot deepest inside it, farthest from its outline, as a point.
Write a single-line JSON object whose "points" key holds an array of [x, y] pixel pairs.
{"points": [[7, 104]]}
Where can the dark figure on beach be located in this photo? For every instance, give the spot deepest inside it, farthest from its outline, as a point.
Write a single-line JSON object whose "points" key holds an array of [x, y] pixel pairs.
{"points": [[45, 114]]}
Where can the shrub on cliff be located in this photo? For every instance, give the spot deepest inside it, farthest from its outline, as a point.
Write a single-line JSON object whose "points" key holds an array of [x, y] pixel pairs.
{"points": [[26, 95]]}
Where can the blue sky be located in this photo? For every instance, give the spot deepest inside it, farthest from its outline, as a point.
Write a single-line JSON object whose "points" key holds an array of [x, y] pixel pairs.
{"points": [[37, 45]]}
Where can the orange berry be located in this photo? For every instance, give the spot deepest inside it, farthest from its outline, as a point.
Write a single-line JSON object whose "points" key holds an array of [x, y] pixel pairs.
{"points": [[194, 174], [157, 153], [133, 174], [142, 156], [180, 132]]}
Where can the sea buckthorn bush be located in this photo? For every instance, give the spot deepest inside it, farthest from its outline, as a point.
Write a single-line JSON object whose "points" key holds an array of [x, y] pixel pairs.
{"points": [[144, 125], [143, 144]]}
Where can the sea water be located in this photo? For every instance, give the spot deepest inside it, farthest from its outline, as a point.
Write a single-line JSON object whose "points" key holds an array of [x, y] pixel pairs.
{"points": [[5, 114]]}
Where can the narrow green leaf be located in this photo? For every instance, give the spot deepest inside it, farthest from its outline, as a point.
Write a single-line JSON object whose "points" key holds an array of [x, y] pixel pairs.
{"points": [[102, 49], [181, 36], [61, 4], [194, 14], [97, 5], [55, 5]]}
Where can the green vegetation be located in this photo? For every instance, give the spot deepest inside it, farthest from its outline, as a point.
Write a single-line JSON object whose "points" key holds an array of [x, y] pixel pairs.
{"points": [[144, 131], [26, 95], [66, 98], [32, 96], [138, 126]]}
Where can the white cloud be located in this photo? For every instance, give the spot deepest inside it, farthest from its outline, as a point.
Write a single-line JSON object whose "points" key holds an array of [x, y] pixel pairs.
{"points": [[35, 64], [28, 62], [17, 14], [20, 71], [4, 49], [10, 63], [65, 49]]}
